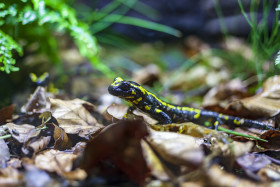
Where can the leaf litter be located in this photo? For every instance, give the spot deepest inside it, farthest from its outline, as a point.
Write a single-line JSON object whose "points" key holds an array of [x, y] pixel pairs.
{"points": [[61, 141]]}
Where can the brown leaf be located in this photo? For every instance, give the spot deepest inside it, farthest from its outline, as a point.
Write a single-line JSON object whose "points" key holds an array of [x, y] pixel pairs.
{"points": [[34, 146], [121, 143], [269, 175], [218, 177], [22, 133], [61, 139], [6, 113], [116, 111], [59, 162], [177, 148], [37, 102], [10, 177], [187, 128], [218, 98], [147, 75], [154, 163], [273, 138], [73, 117], [264, 104]]}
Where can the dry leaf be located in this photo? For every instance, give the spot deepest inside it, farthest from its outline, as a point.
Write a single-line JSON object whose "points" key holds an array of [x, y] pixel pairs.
{"points": [[22, 133], [273, 138], [154, 163], [240, 148], [147, 75], [177, 148], [73, 117], [218, 98], [37, 102], [116, 111], [119, 142], [15, 163], [218, 177], [61, 139], [268, 175], [10, 177], [34, 146], [253, 162], [59, 162], [5, 153], [188, 128], [6, 113], [264, 104]]}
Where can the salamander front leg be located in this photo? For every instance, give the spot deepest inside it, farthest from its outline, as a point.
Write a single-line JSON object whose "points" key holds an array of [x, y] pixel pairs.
{"points": [[129, 111], [161, 116]]}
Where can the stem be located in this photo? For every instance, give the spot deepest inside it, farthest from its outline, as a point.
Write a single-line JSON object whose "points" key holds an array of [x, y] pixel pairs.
{"points": [[239, 134]]}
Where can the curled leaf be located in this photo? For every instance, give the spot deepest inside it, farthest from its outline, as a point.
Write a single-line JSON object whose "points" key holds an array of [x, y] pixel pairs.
{"points": [[22, 133], [177, 148], [73, 117]]}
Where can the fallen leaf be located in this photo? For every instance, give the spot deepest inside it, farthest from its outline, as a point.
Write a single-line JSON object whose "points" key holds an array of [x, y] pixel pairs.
{"points": [[4, 154], [73, 117], [22, 133], [177, 148], [240, 148], [218, 98], [15, 163], [154, 163], [32, 147], [35, 177], [194, 45], [147, 75], [61, 140], [273, 138], [187, 128], [37, 102], [59, 162], [264, 104], [215, 176], [10, 177], [6, 113], [268, 175], [253, 162], [121, 143], [116, 111]]}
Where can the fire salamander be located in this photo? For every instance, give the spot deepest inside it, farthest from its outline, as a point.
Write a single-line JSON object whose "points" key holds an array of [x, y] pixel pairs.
{"points": [[167, 113]]}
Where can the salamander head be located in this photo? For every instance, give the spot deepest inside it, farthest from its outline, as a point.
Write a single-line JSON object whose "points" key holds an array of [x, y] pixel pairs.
{"points": [[127, 90]]}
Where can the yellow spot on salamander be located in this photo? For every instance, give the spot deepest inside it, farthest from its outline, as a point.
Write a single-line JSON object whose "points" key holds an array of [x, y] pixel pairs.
{"points": [[158, 110], [238, 122], [187, 109], [220, 115], [133, 92], [137, 100], [178, 108], [197, 115], [147, 107], [117, 81]]}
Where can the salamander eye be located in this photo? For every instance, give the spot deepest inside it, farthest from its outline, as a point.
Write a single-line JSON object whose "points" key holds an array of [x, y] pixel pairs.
{"points": [[134, 83], [125, 86]]}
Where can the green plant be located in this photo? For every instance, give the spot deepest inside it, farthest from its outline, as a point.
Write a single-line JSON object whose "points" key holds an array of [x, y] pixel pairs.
{"points": [[264, 40], [115, 12], [35, 22]]}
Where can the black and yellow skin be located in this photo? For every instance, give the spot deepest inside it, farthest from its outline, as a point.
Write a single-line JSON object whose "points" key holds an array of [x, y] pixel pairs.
{"points": [[167, 113]]}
